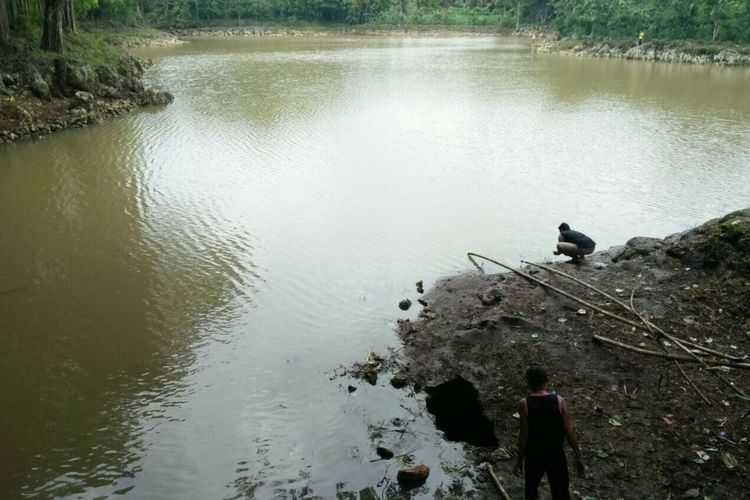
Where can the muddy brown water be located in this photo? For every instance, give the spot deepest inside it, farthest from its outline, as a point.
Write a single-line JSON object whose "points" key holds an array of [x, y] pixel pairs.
{"points": [[178, 284]]}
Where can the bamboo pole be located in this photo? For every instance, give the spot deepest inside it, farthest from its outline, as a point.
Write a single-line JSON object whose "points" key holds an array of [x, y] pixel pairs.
{"points": [[666, 355], [625, 306], [497, 482], [679, 366], [470, 255]]}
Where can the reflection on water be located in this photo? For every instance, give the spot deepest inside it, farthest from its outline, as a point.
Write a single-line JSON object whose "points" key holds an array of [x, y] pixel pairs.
{"points": [[186, 278]]}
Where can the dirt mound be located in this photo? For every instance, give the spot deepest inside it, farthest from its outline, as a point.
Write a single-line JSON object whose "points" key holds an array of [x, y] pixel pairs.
{"points": [[645, 429]]}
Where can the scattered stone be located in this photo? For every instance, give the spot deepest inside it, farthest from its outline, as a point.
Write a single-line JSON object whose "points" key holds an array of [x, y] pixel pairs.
{"points": [[404, 305], [384, 453], [413, 477], [351, 389], [422, 302], [399, 380]]}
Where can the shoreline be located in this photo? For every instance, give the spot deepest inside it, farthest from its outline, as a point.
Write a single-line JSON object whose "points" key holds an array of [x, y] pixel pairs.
{"points": [[481, 331], [37, 99], [44, 97], [649, 52]]}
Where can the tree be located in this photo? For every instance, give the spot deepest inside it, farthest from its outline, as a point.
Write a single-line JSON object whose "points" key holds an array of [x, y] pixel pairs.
{"points": [[52, 32], [4, 27], [69, 17]]}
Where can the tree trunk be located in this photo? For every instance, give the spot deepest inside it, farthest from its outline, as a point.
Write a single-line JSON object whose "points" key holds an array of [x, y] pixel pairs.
{"points": [[518, 15], [52, 36], [4, 27], [69, 17]]}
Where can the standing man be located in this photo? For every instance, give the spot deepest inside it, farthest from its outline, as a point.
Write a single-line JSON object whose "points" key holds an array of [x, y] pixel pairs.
{"points": [[545, 424], [572, 243]]}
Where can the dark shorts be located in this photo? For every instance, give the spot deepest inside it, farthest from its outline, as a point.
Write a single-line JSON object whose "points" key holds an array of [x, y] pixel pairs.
{"points": [[555, 466]]}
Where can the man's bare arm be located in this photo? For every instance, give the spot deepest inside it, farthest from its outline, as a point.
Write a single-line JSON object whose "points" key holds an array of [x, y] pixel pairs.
{"points": [[572, 437], [523, 436]]}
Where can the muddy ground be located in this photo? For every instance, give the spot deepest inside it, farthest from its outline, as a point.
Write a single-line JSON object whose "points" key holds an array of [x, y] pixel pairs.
{"points": [[644, 430]]}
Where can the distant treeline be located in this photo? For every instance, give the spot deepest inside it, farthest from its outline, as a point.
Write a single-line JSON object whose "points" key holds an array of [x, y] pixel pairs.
{"points": [[715, 20]]}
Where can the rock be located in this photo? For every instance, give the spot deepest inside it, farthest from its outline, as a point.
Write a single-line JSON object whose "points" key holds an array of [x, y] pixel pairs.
{"points": [[368, 494], [422, 302], [22, 115], [692, 493], [351, 389], [399, 380], [371, 376], [107, 76], [637, 246], [492, 295], [81, 77], [130, 67], [82, 99], [404, 305], [413, 477], [109, 92], [39, 85], [134, 85], [420, 288], [152, 97], [384, 453]]}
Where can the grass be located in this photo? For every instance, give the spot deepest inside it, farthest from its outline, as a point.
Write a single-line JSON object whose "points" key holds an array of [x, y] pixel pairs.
{"points": [[24, 48]]}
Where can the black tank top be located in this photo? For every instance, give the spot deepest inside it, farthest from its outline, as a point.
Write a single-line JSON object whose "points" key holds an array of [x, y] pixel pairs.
{"points": [[546, 431]]}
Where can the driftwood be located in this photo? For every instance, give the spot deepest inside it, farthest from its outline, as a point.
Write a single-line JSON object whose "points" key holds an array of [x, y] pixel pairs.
{"points": [[498, 484]]}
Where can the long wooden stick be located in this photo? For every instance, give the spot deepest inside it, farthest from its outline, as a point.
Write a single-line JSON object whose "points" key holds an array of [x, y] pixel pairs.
{"points": [[617, 301], [497, 482], [679, 366], [640, 326], [651, 327], [666, 355]]}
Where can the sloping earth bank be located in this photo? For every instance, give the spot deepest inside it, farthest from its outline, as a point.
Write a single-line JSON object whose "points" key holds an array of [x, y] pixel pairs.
{"points": [[644, 431]]}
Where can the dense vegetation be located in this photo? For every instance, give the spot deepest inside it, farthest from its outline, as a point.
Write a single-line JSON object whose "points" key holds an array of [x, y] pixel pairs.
{"points": [[715, 20]]}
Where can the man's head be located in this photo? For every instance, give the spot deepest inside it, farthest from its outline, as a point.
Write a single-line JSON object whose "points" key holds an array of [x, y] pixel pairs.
{"points": [[564, 227], [536, 377]]}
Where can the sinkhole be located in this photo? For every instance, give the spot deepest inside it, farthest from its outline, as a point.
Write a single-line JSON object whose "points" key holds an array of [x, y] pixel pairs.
{"points": [[458, 413]]}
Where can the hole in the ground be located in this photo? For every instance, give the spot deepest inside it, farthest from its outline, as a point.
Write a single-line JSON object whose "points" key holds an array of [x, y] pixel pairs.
{"points": [[458, 413]]}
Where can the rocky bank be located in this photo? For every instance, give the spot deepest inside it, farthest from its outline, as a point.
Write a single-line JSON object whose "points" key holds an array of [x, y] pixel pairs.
{"points": [[646, 52], [644, 427], [46, 96]]}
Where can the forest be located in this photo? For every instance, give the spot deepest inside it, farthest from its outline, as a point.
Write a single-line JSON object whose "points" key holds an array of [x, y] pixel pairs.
{"points": [[705, 20]]}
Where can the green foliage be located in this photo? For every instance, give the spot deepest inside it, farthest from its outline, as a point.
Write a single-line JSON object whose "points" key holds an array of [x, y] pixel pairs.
{"points": [[714, 20], [700, 21]]}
